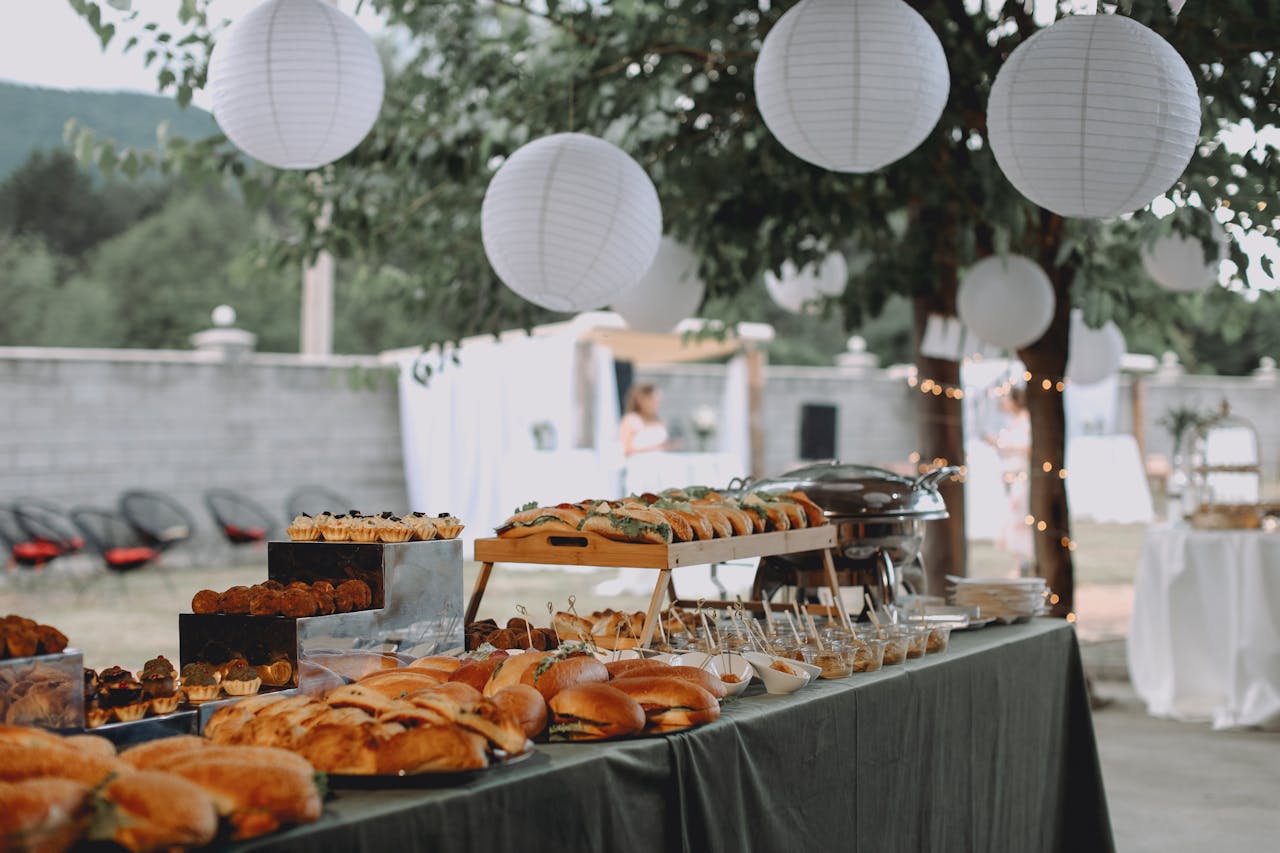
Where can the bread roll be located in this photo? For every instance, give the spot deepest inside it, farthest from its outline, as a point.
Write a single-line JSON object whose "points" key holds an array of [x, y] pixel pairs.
{"points": [[438, 662], [456, 690], [476, 673], [511, 671], [432, 749], [256, 798], [594, 712], [670, 704], [526, 705], [159, 811], [491, 721], [343, 749], [146, 756], [18, 763], [91, 745], [561, 519], [43, 814], [636, 666], [551, 678]]}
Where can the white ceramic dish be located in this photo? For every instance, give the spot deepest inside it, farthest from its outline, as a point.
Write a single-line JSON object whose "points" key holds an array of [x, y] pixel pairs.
{"points": [[608, 656], [720, 665], [774, 681]]}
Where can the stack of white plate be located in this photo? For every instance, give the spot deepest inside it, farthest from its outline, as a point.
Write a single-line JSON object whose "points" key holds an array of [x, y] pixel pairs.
{"points": [[1006, 599]]}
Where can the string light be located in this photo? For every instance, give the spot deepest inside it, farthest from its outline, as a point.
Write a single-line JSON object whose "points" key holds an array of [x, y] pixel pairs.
{"points": [[1071, 617]]}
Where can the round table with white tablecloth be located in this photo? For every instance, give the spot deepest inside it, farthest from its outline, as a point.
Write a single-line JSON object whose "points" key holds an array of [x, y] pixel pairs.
{"points": [[1204, 637]]}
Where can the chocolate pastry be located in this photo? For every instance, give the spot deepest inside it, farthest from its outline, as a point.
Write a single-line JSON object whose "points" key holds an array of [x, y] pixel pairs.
{"points": [[234, 600], [297, 603], [205, 601]]}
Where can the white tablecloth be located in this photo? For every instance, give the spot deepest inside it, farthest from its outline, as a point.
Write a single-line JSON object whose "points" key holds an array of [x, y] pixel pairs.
{"points": [[1204, 639], [653, 472]]}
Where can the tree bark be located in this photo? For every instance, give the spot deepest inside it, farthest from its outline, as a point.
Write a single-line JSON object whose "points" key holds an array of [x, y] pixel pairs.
{"points": [[940, 428], [1046, 361]]}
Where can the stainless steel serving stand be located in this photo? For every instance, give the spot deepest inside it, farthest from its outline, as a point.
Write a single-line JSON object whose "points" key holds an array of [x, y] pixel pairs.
{"points": [[416, 608]]}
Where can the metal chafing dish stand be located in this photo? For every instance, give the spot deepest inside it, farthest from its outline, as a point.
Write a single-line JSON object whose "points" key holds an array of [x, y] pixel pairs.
{"points": [[417, 606], [879, 518]]}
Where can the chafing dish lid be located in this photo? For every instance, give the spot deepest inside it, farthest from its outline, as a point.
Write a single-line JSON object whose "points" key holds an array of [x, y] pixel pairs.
{"points": [[862, 491]]}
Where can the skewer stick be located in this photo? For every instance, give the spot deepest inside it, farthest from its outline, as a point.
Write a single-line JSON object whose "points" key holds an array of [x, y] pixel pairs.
{"points": [[795, 605], [813, 631], [871, 610], [795, 632], [768, 613], [524, 616], [662, 629]]}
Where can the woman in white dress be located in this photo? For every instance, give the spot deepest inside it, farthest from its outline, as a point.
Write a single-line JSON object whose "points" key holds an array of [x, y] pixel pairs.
{"points": [[642, 429]]}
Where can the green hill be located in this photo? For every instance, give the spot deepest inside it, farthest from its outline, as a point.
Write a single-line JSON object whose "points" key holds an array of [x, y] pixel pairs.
{"points": [[32, 118]]}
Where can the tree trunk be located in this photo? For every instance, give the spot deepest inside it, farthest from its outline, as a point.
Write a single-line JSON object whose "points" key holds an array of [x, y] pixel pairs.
{"points": [[941, 437], [1046, 361]]}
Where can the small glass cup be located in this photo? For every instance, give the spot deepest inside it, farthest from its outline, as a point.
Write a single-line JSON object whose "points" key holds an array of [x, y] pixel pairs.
{"points": [[868, 655], [896, 642], [939, 639], [833, 658], [917, 640]]}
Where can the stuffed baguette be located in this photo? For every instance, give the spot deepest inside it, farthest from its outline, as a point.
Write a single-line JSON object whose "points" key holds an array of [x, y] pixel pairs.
{"points": [[563, 518]]}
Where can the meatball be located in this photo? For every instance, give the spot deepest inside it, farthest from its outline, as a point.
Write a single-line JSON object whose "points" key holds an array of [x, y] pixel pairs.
{"points": [[234, 600], [297, 603], [264, 602]]}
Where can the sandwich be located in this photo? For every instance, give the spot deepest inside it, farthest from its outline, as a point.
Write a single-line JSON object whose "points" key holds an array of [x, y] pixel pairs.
{"points": [[525, 705], [432, 749], [670, 704], [563, 518], [553, 674], [594, 712], [628, 525]]}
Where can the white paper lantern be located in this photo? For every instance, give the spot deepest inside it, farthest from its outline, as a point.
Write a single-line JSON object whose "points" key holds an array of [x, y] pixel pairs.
{"points": [[1094, 116], [669, 292], [296, 84], [1177, 263], [1006, 301], [851, 85], [1093, 354], [570, 222], [802, 289]]}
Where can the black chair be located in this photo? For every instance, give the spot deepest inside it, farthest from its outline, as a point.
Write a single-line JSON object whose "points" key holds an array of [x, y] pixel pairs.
{"points": [[159, 520], [314, 500], [241, 520], [19, 549], [47, 522], [107, 534]]}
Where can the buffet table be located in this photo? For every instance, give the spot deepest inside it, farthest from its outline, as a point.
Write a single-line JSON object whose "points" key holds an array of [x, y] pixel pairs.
{"points": [[1204, 640], [987, 747]]}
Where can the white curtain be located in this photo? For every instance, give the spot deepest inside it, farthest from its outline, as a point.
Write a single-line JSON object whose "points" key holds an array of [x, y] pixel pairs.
{"points": [[734, 435]]}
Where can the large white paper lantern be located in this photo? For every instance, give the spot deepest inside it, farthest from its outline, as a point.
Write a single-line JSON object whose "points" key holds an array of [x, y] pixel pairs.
{"points": [[1093, 354], [801, 289], [296, 84], [1178, 263], [851, 85], [570, 222], [669, 292], [1094, 116], [1006, 301]]}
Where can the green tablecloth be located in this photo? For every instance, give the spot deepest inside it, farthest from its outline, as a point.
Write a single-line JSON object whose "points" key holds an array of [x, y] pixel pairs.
{"points": [[986, 747]]}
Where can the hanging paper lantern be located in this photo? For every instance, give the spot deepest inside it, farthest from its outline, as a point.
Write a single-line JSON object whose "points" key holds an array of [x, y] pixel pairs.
{"points": [[1006, 301], [570, 222], [1093, 354], [1178, 263], [1094, 116], [296, 84], [801, 289], [851, 85], [669, 292]]}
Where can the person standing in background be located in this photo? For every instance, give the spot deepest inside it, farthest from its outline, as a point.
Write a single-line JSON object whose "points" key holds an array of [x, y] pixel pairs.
{"points": [[1013, 443], [642, 429]]}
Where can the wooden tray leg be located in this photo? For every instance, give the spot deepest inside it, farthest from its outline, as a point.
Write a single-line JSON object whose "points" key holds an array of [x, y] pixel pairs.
{"points": [[473, 606], [660, 589], [834, 583]]}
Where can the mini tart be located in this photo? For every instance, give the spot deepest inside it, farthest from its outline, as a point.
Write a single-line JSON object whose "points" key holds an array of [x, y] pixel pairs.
{"points": [[236, 687], [366, 530], [336, 529], [165, 704], [395, 530], [98, 716], [424, 529], [201, 692], [132, 712], [447, 526], [303, 529]]}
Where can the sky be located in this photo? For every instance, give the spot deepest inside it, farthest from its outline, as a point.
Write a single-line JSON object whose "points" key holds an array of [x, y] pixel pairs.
{"points": [[45, 43]]}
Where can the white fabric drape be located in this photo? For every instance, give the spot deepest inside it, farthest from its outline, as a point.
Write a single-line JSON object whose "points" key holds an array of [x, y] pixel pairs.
{"points": [[734, 436], [1204, 637]]}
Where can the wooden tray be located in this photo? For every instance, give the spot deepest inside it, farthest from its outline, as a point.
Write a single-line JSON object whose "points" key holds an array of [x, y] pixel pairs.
{"points": [[592, 549]]}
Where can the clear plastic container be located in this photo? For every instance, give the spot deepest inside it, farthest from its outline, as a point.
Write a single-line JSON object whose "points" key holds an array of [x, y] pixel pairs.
{"points": [[917, 640], [868, 655], [939, 639], [834, 658]]}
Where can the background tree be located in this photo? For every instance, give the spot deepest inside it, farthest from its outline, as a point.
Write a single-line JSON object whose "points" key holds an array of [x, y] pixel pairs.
{"points": [[671, 83]]}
